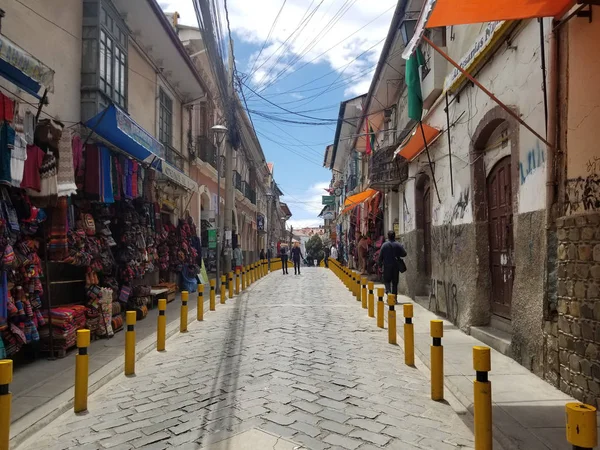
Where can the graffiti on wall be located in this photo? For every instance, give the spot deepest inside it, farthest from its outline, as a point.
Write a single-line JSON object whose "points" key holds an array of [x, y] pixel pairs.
{"points": [[443, 298], [533, 159], [583, 194], [456, 212], [592, 165]]}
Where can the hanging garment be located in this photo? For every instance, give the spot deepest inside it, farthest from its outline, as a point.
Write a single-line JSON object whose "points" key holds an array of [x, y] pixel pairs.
{"points": [[134, 179], [129, 182], [92, 171], [58, 248], [7, 142], [66, 173], [7, 108], [116, 177], [31, 172], [48, 181], [29, 127], [78, 162], [17, 159], [106, 179]]}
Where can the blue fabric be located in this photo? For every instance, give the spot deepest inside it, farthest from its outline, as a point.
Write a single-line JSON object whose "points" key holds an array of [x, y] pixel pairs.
{"points": [[106, 179], [19, 79], [7, 142]]}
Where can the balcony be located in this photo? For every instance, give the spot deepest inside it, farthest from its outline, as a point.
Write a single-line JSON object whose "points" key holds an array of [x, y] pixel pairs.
{"points": [[237, 181], [206, 150], [385, 170], [173, 157]]}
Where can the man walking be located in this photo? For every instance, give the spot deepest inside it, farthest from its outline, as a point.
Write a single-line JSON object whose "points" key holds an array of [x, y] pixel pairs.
{"points": [[284, 259], [390, 256], [238, 258], [296, 257]]}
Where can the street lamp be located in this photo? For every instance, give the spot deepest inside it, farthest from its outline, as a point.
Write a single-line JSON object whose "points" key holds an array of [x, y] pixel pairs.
{"points": [[220, 132], [269, 195]]}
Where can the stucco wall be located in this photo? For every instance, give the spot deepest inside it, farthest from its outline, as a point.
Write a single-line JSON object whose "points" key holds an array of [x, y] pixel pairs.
{"points": [[142, 90], [58, 49]]}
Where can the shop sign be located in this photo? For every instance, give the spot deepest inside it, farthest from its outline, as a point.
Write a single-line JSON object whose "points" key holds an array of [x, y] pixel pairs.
{"points": [[23, 61], [127, 125], [328, 200], [178, 177], [329, 215], [212, 238], [491, 33]]}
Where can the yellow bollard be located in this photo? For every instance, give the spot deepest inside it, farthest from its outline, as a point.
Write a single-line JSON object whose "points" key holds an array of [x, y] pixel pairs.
{"points": [[358, 288], [223, 288], [243, 278], [161, 328], [363, 292], [482, 399], [81, 371], [371, 301], [252, 280], [183, 317], [6, 377], [130, 317], [437, 360], [392, 319], [409, 335], [237, 281], [230, 284], [380, 308], [582, 429], [213, 294], [200, 303]]}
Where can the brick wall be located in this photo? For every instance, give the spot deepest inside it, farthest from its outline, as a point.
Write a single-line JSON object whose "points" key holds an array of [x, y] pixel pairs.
{"points": [[579, 306]]}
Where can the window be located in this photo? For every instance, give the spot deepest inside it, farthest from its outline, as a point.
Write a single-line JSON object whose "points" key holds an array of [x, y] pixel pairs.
{"points": [[113, 59], [165, 118]]}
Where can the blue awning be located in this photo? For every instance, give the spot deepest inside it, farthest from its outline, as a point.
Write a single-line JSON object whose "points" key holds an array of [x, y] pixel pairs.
{"points": [[24, 70], [123, 132]]}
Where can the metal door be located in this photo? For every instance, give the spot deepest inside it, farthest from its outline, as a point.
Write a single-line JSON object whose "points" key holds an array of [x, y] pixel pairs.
{"points": [[427, 228], [499, 199]]}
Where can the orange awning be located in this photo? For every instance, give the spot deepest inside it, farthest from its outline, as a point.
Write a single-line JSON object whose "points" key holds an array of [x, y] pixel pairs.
{"points": [[413, 145], [356, 199], [459, 12]]}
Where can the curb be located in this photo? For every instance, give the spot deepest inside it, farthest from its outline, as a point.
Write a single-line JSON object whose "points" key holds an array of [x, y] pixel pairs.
{"points": [[33, 422]]}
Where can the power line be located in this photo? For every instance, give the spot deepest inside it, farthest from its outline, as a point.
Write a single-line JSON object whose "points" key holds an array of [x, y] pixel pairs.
{"points": [[267, 38]]}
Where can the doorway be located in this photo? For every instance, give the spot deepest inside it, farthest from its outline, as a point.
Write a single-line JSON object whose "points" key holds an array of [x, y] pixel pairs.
{"points": [[500, 229], [423, 210]]}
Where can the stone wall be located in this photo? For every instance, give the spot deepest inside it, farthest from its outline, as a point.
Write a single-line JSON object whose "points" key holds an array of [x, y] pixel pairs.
{"points": [[579, 306]]}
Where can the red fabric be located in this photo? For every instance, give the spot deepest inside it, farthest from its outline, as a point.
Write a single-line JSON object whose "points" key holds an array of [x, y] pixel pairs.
{"points": [[31, 172], [7, 108], [92, 170], [134, 178]]}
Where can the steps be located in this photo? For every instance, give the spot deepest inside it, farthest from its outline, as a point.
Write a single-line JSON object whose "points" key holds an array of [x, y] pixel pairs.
{"points": [[496, 338]]}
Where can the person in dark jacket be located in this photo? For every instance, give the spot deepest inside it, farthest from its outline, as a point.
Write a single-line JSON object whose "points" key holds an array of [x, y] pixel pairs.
{"points": [[296, 258], [390, 256], [262, 254], [283, 253]]}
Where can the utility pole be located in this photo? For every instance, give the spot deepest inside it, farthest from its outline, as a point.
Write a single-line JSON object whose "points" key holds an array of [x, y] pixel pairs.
{"points": [[229, 188]]}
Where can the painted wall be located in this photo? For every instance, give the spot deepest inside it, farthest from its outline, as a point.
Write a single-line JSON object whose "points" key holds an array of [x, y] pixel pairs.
{"points": [[141, 90], [37, 31], [583, 130]]}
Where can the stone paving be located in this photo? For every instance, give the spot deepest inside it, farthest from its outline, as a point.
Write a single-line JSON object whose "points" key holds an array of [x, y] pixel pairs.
{"points": [[294, 356]]}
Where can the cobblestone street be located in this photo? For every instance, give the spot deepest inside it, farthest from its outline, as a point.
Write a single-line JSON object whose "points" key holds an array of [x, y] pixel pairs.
{"points": [[294, 356]]}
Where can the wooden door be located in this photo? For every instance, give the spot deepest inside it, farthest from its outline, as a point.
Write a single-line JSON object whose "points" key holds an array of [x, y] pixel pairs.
{"points": [[499, 196], [427, 228]]}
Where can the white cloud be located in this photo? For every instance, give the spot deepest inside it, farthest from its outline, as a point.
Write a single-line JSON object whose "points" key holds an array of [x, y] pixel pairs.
{"points": [[314, 37], [304, 223], [306, 206]]}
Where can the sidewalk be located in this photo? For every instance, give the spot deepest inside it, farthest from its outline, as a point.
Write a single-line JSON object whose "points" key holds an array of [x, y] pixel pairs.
{"points": [[43, 388], [528, 413]]}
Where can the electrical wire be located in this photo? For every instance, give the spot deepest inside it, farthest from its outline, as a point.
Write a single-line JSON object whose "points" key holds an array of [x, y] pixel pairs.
{"points": [[262, 47]]}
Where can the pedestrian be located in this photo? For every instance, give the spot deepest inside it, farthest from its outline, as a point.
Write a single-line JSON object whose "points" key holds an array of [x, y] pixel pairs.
{"points": [[262, 254], [238, 258], [390, 256], [284, 259], [297, 257], [333, 252], [326, 256]]}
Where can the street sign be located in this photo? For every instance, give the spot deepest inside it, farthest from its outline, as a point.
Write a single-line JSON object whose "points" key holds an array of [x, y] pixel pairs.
{"points": [[329, 215], [328, 200], [212, 238]]}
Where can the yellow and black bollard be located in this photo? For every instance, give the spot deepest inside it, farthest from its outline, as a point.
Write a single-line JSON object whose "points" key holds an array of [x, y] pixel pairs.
{"points": [[357, 287], [380, 308], [161, 327], [223, 288], [130, 317], [482, 399], [437, 360], [252, 278], [409, 335], [230, 284], [363, 292], [6, 377], [213, 294], [82, 364], [183, 317], [243, 278], [582, 429], [371, 301], [237, 281], [392, 319], [200, 303]]}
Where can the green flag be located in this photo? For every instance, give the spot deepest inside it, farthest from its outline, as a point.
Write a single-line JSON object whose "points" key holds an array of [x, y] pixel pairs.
{"points": [[413, 83]]}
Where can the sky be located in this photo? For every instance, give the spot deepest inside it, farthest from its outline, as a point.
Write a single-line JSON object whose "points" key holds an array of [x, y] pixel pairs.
{"points": [[305, 56]]}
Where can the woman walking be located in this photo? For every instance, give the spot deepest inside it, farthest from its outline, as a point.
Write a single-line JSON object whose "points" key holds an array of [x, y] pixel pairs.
{"points": [[296, 257], [284, 259]]}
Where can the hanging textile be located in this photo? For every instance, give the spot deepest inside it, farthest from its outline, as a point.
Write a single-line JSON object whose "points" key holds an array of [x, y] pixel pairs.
{"points": [[48, 181], [92, 171], [106, 194], [66, 172], [7, 142], [78, 164], [58, 248], [134, 179]]}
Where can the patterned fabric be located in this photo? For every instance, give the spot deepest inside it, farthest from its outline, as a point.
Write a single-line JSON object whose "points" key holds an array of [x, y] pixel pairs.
{"points": [[66, 171]]}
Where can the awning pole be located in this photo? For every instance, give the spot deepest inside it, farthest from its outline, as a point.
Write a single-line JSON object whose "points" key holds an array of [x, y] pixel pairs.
{"points": [[430, 163], [449, 145], [488, 93]]}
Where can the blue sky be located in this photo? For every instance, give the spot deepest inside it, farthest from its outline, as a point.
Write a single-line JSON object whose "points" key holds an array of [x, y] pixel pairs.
{"points": [[317, 54]]}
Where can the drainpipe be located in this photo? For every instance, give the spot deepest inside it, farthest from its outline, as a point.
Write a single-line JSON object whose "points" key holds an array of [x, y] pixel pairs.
{"points": [[553, 77]]}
